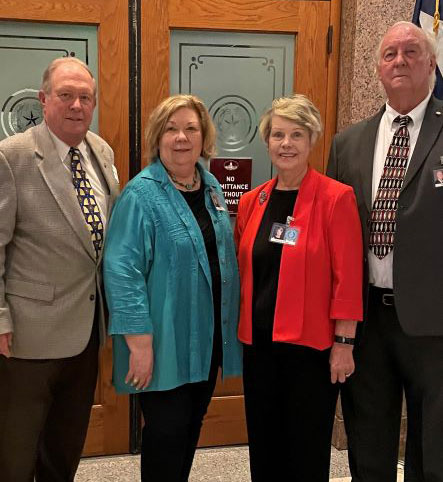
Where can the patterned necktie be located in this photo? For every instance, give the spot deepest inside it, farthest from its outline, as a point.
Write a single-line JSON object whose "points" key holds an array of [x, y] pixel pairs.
{"points": [[384, 210], [86, 199]]}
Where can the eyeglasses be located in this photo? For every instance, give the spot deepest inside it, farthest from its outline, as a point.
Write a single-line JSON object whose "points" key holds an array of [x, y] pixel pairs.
{"points": [[69, 97]]}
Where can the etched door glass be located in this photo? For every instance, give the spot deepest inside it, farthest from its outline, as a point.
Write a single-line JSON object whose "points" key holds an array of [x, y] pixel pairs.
{"points": [[237, 75], [26, 49]]}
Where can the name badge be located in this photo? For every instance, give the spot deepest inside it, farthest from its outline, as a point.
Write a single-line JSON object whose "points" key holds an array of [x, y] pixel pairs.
{"points": [[438, 177], [284, 234], [217, 201]]}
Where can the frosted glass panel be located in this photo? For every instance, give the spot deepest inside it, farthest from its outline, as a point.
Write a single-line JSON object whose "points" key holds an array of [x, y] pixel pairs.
{"points": [[237, 75], [25, 51]]}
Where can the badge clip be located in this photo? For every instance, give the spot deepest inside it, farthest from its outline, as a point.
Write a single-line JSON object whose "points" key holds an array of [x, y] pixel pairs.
{"points": [[216, 201]]}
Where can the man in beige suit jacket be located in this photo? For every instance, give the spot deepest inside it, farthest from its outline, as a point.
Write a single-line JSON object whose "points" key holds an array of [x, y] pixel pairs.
{"points": [[51, 301]]}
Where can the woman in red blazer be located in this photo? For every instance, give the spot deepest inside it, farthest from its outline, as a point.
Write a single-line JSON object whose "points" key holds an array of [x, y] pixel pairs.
{"points": [[300, 257]]}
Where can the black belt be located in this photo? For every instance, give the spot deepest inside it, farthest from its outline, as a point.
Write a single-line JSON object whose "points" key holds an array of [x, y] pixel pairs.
{"points": [[385, 296]]}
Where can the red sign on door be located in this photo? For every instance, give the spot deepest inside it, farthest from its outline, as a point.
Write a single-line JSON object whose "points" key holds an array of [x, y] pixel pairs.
{"points": [[234, 176]]}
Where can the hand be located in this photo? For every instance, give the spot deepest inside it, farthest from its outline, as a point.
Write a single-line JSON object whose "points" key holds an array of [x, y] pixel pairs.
{"points": [[341, 362], [141, 360], [5, 344]]}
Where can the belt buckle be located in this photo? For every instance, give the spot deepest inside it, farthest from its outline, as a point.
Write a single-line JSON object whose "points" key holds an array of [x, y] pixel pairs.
{"points": [[387, 299]]}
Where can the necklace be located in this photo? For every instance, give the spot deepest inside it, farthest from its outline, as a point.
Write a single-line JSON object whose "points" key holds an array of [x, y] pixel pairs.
{"points": [[188, 187]]}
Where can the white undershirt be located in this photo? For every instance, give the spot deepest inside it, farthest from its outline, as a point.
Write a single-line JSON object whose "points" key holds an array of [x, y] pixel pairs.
{"points": [[93, 173], [380, 270]]}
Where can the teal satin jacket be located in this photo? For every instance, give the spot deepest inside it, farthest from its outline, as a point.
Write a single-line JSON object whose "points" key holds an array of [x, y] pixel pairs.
{"points": [[158, 280]]}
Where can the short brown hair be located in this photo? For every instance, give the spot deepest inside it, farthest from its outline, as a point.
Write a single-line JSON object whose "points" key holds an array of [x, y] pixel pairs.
{"points": [[297, 108], [47, 74], [161, 114]]}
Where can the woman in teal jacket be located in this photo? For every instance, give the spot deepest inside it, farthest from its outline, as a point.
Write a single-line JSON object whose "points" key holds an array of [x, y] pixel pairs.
{"points": [[172, 287]]}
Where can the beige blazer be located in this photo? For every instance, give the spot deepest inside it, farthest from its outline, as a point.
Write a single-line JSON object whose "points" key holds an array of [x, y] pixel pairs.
{"points": [[50, 280]]}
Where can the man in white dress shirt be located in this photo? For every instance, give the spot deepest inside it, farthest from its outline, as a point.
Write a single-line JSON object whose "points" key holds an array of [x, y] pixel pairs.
{"points": [[390, 160], [56, 190]]}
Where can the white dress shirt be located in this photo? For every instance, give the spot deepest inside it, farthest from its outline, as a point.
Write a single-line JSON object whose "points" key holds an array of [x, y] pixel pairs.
{"points": [[380, 270], [92, 171]]}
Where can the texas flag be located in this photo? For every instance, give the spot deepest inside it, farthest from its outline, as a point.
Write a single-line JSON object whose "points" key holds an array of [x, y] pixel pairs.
{"points": [[424, 18]]}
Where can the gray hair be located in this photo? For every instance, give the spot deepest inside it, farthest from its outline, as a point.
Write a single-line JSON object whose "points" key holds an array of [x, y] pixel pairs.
{"points": [[429, 43], [50, 69]]}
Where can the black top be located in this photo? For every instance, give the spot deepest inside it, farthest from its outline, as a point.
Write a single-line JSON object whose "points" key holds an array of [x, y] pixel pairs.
{"points": [[266, 257], [196, 202]]}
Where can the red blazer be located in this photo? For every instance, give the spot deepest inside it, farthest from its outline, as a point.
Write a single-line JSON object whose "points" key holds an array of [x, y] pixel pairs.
{"points": [[320, 278]]}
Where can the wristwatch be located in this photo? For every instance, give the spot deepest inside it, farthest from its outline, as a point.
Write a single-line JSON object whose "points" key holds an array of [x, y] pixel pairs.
{"points": [[344, 340]]}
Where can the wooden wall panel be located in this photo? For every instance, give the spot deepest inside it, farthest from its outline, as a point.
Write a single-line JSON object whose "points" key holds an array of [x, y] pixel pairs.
{"points": [[244, 15], [308, 20], [80, 11], [155, 59], [316, 73], [224, 423], [108, 431], [113, 51]]}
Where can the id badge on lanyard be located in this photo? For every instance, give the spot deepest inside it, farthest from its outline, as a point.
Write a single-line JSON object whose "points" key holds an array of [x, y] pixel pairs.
{"points": [[284, 233]]}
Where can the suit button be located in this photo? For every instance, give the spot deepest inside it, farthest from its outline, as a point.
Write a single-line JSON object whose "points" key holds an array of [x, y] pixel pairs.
{"points": [[92, 297]]}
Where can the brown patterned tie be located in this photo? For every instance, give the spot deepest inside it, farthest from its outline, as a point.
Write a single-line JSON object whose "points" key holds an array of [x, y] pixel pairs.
{"points": [[382, 226]]}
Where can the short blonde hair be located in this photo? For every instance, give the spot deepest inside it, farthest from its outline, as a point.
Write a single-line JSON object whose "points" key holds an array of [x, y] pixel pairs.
{"points": [[46, 85], [161, 114], [297, 108]]}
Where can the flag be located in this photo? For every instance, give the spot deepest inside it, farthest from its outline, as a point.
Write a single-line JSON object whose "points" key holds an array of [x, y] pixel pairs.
{"points": [[427, 15]]}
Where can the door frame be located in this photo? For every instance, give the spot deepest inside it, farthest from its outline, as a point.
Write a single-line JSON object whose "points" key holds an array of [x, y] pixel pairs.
{"points": [[111, 18], [275, 16], [317, 26]]}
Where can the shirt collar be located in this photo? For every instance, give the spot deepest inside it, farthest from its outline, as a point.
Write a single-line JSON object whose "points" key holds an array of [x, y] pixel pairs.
{"points": [[417, 114], [63, 149]]}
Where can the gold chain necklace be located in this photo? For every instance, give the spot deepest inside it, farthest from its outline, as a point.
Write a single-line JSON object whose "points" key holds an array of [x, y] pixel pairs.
{"points": [[188, 187]]}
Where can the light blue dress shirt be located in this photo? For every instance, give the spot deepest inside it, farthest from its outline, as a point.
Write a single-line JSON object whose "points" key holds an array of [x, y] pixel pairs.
{"points": [[158, 280]]}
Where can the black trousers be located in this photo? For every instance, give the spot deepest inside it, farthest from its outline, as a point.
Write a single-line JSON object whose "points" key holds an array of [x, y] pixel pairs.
{"points": [[290, 405], [44, 414], [387, 362], [173, 420]]}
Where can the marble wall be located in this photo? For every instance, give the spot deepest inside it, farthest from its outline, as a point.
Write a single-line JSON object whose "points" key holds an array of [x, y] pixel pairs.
{"points": [[363, 24]]}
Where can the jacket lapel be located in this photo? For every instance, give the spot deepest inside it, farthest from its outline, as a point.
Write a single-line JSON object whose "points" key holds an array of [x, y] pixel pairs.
{"points": [[293, 261], [157, 172], [257, 209], [59, 182], [367, 157], [105, 163], [430, 129]]}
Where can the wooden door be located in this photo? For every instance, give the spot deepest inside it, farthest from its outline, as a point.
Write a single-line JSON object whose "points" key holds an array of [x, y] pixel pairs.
{"points": [[109, 425], [315, 26]]}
